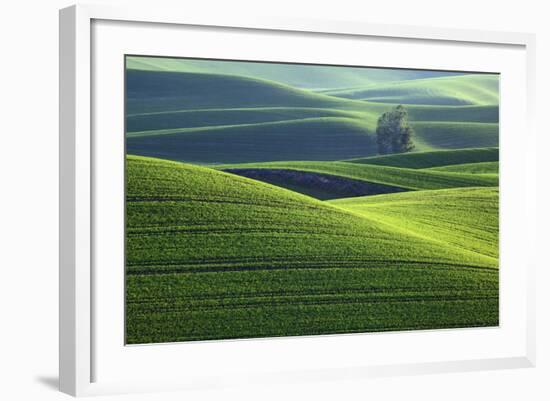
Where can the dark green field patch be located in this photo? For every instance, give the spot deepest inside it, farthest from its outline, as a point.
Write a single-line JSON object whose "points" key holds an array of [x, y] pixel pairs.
{"points": [[412, 179], [320, 186]]}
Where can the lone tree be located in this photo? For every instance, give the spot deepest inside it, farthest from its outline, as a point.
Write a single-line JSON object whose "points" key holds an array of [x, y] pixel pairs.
{"points": [[393, 133]]}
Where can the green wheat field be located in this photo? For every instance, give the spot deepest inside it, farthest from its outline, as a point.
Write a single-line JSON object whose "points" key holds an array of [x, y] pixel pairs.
{"points": [[257, 204]]}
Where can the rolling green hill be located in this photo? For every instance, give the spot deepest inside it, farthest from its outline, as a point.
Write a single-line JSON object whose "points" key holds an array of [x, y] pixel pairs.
{"points": [[314, 139], [153, 91], [306, 76], [464, 217], [454, 135], [365, 112], [234, 116], [319, 138], [471, 89], [471, 168], [433, 158], [475, 114], [214, 255]]}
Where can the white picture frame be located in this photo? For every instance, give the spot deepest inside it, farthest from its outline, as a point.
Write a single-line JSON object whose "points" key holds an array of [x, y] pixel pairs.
{"points": [[78, 157]]}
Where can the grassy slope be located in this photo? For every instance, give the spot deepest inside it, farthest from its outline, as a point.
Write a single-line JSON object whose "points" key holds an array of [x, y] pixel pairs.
{"points": [[465, 217], [312, 139], [153, 91], [457, 90], [366, 112], [291, 74], [315, 138], [213, 255], [234, 116], [471, 168], [454, 135], [476, 114], [413, 179], [432, 159], [320, 138]]}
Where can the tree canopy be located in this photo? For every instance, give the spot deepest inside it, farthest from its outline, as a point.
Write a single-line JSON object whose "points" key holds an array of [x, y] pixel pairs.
{"points": [[393, 132]]}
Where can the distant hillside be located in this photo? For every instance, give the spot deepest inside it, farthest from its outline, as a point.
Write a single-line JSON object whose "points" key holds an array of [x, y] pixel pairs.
{"points": [[480, 89], [234, 116], [212, 118], [477, 114], [150, 91], [299, 75], [306, 139], [439, 158], [454, 135]]}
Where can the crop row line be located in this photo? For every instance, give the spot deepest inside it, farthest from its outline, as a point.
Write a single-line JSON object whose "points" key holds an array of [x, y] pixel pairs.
{"points": [[307, 292], [302, 303], [132, 270]]}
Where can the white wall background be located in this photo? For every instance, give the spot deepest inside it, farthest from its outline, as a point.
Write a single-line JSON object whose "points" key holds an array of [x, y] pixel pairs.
{"points": [[29, 186]]}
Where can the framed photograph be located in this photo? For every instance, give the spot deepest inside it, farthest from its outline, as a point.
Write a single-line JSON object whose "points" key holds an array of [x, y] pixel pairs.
{"points": [[273, 200]]}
